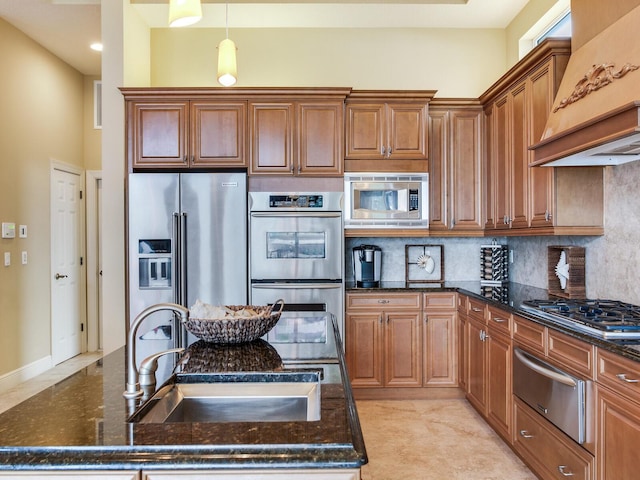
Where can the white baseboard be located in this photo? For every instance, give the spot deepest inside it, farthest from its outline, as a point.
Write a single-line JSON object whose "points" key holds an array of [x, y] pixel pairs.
{"points": [[11, 379]]}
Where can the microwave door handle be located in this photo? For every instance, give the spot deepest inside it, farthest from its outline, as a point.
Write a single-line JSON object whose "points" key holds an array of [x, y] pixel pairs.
{"points": [[525, 359]]}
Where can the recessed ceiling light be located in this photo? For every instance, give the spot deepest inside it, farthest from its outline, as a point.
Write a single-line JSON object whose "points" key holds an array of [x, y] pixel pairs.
{"points": [[96, 46]]}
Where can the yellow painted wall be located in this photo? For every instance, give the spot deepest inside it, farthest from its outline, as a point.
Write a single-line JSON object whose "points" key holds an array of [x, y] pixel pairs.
{"points": [[456, 63], [40, 120]]}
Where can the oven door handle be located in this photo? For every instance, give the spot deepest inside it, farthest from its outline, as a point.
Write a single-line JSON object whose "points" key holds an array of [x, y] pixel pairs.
{"points": [[535, 366], [297, 214], [296, 286]]}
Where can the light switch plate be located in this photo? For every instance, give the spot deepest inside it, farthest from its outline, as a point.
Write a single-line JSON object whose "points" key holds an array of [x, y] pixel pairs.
{"points": [[7, 259], [22, 231], [8, 230]]}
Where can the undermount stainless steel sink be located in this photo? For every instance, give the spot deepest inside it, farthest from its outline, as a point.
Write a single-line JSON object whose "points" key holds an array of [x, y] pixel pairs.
{"points": [[278, 397]]}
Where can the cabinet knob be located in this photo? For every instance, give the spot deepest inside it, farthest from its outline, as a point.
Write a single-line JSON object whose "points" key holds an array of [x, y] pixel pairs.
{"points": [[525, 434], [299, 169], [383, 151], [388, 152], [547, 216], [291, 168], [563, 470]]}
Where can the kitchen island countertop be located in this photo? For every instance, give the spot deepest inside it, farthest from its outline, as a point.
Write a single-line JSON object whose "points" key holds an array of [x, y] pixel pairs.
{"points": [[80, 423]]}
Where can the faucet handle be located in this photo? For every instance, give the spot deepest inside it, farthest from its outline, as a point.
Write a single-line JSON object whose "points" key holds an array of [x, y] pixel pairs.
{"points": [[148, 367]]}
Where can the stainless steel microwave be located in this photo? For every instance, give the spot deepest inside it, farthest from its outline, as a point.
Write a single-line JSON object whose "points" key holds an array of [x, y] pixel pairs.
{"points": [[386, 200]]}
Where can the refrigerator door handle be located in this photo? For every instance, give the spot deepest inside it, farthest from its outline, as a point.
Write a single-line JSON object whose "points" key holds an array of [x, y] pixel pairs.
{"points": [[182, 240], [175, 240]]}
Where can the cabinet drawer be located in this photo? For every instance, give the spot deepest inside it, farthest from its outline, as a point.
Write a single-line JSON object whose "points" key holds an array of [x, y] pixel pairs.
{"points": [[550, 453], [439, 301], [619, 373], [572, 353], [499, 320], [477, 309], [382, 301], [529, 334]]}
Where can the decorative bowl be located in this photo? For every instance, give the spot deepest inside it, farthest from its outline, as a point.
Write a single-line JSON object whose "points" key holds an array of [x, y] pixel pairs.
{"points": [[230, 329]]}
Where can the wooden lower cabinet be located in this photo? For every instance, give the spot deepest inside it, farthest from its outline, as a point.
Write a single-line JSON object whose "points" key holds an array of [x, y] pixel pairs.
{"points": [[266, 474], [618, 423], [499, 383], [391, 342], [383, 344], [488, 383], [548, 451]]}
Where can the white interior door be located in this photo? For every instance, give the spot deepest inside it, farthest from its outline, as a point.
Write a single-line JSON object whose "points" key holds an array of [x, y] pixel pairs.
{"points": [[66, 278]]}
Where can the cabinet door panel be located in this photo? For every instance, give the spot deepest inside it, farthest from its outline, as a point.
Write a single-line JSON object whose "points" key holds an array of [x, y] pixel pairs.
{"points": [[501, 162], [365, 135], [158, 134], [218, 134], [364, 349], [466, 170], [519, 174], [438, 159], [476, 387], [407, 131], [320, 133], [499, 383], [403, 342], [541, 191], [440, 362], [619, 436], [271, 138]]}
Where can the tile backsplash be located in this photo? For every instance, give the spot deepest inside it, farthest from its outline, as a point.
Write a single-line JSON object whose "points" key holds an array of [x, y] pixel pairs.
{"points": [[461, 256]]}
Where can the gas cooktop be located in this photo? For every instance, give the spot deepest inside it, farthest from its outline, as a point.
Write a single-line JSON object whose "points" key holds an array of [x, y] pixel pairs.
{"points": [[609, 319]]}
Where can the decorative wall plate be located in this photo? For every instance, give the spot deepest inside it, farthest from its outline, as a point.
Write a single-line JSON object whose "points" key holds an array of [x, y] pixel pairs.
{"points": [[424, 263]]}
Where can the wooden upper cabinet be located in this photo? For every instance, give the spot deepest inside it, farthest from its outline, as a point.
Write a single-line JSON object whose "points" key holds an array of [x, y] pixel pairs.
{"points": [[297, 138], [521, 199], [182, 134], [455, 167], [271, 126], [218, 137], [387, 131], [321, 138], [157, 134]]}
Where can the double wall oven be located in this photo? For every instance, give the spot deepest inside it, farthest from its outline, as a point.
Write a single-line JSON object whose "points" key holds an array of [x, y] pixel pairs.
{"points": [[297, 254]]}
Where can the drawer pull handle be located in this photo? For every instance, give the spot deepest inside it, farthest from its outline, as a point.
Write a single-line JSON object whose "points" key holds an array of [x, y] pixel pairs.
{"points": [[623, 377], [476, 309], [525, 434], [499, 320], [561, 469], [383, 301]]}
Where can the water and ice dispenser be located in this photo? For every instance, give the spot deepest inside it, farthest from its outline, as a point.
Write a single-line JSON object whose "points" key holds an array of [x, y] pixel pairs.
{"points": [[154, 260]]}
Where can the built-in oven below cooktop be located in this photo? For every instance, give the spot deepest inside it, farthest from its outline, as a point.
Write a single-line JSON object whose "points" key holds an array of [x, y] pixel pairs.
{"points": [[610, 319]]}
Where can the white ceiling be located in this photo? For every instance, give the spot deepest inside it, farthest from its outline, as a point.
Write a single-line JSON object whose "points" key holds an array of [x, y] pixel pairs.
{"points": [[68, 27]]}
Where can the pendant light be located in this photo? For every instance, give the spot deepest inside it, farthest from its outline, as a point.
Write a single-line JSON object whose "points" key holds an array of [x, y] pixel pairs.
{"points": [[227, 65], [184, 12]]}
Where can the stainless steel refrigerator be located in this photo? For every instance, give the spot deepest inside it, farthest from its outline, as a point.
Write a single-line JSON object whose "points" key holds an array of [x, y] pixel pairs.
{"points": [[187, 240]]}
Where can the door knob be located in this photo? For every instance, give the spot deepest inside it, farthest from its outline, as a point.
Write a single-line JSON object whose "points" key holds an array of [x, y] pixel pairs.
{"points": [[58, 276]]}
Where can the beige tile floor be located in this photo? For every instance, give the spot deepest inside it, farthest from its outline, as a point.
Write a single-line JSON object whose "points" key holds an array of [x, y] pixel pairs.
{"points": [[433, 440], [405, 439]]}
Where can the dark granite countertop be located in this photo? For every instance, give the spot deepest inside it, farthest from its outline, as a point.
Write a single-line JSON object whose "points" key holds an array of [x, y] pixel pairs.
{"points": [[509, 297], [80, 423]]}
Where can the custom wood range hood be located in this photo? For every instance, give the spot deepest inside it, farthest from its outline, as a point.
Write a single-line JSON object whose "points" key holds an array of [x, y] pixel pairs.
{"points": [[595, 119]]}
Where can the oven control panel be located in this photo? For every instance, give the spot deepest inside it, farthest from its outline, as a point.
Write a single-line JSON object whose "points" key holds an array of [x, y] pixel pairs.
{"points": [[295, 201]]}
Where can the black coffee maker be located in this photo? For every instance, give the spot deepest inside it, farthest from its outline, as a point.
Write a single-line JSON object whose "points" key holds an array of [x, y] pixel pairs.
{"points": [[367, 260]]}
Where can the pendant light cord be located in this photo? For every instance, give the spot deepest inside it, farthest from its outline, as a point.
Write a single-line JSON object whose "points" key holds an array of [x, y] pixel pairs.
{"points": [[226, 19]]}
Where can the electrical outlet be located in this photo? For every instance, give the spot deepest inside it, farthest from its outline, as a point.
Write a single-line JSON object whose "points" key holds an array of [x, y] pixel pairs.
{"points": [[24, 258], [510, 256], [7, 259]]}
